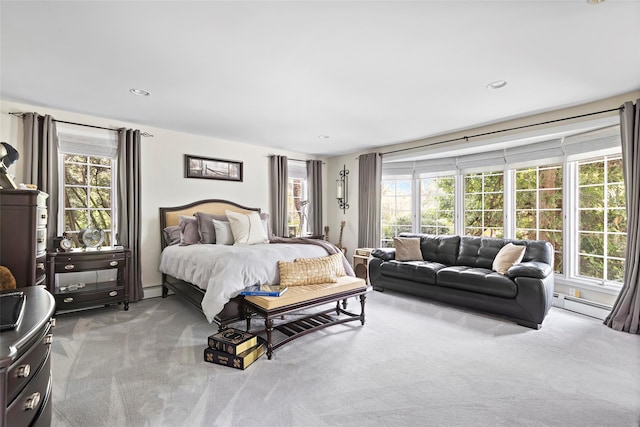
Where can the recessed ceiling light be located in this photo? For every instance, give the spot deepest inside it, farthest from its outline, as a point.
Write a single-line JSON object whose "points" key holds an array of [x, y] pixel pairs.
{"points": [[140, 92], [323, 136], [595, 1], [497, 84]]}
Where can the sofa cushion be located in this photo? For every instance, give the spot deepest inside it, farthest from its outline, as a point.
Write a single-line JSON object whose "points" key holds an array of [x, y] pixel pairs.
{"points": [[479, 280], [508, 256], [407, 248], [416, 271], [440, 249]]}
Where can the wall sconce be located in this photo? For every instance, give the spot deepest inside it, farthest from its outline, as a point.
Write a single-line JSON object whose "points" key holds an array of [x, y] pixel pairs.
{"points": [[342, 189]]}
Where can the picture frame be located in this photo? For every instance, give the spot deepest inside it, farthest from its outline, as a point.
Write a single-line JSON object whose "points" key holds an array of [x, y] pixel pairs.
{"points": [[210, 168]]}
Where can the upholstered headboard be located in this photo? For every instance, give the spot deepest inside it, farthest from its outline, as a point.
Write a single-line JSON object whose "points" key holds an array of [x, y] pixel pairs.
{"points": [[169, 215]]}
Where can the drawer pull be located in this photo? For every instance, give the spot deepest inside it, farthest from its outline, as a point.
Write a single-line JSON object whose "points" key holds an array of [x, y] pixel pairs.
{"points": [[48, 339], [24, 371], [113, 293], [43, 216], [68, 299], [40, 241], [32, 402], [40, 266], [113, 263], [69, 267]]}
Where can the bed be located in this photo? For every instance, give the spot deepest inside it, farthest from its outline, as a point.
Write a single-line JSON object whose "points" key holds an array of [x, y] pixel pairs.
{"points": [[210, 276]]}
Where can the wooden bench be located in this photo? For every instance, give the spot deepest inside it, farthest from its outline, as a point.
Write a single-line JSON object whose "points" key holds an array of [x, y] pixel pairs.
{"points": [[302, 298]]}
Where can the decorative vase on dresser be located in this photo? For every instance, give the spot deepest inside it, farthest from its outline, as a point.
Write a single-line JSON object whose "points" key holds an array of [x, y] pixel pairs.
{"points": [[23, 235], [25, 359]]}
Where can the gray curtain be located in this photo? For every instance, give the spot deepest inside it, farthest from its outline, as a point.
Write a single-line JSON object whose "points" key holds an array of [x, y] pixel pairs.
{"points": [[369, 177], [625, 315], [314, 188], [279, 186], [129, 206], [41, 163]]}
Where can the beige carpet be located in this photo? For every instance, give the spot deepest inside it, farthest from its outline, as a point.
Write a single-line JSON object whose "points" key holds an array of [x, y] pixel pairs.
{"points": [[414, 363]]}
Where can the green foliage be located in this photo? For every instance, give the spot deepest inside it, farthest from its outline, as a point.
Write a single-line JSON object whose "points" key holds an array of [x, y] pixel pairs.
{"points": [[87, 193]]}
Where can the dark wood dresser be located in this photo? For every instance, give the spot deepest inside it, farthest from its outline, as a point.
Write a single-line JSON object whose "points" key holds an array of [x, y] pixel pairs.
{"points": [[23, 235], [25, 362]]}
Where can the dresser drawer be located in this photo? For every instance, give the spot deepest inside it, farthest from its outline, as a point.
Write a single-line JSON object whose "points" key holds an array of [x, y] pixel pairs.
{"points": [[41, 241], [41, 269], [28, 365], [41, 218], [85, 298], [27, 405], [69, 265]]}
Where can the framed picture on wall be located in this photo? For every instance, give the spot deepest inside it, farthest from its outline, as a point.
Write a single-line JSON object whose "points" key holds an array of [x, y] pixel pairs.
{"points": [[208, 168]]}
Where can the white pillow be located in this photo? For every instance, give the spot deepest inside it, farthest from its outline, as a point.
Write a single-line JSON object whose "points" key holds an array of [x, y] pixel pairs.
{"points": [[508, 256], [247, 229], [223, 232]]}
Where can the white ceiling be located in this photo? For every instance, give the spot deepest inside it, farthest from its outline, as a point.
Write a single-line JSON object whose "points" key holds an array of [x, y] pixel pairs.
{"points": [[281, 74]]}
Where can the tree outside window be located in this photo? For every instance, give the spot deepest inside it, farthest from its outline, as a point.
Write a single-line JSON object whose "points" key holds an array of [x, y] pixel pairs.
{"points": [[396, 200], [538, 203], [88, 195], [484, 204], [602, 219], [437, 201]]}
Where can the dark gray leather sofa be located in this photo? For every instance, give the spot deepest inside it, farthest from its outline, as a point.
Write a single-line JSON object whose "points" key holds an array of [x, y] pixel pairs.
{"points": [[457, 270]]}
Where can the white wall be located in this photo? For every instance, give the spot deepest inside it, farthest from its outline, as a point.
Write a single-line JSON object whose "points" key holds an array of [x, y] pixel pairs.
{"points": [[163, 182]]}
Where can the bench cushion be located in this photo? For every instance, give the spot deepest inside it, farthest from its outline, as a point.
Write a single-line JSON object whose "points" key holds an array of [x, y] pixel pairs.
{"points": [[296, 294]]}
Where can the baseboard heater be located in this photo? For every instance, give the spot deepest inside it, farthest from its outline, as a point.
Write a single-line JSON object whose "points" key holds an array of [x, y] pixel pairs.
{"points": [[582, 306]]}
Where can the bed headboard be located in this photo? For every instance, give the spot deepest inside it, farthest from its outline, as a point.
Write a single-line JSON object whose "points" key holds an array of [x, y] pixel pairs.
{"points": [[169, 215]]}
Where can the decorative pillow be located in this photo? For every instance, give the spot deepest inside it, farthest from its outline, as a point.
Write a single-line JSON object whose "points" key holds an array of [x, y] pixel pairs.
{"points": [[315, 271], [223, 232], [188, 230], [508, 256], [407, 248], [333, 262], [266, 224], [247, 229], [205, 226], [171, 235]]}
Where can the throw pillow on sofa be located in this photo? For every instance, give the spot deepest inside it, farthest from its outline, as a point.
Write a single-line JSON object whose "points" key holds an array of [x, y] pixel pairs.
{"points": [[407, 248], [508, 256]]}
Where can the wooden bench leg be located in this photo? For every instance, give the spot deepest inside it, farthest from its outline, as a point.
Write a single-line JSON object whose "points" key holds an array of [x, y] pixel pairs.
{"points": [[268, 324]]}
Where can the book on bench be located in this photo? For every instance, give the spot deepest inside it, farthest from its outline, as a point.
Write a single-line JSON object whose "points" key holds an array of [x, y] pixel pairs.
{"points": [[264, 290]]}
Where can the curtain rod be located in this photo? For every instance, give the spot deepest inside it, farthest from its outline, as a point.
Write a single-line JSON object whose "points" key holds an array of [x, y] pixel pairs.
{"points": [[503, 130], [82, 124]]}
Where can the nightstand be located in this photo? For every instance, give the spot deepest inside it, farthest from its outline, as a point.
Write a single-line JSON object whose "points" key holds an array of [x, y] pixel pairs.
{"points": [[88, 278], [361, 263]]}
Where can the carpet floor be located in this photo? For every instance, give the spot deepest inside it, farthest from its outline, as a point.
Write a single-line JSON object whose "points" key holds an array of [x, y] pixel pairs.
{"points": [[414, 362]]}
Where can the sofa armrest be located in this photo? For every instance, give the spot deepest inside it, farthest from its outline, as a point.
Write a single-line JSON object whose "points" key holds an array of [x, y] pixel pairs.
{"points": [[535, 269], [385, 254]]}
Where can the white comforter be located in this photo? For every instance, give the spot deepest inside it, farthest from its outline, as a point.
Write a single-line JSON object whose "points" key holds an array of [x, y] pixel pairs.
{"points": [[223, 271]]}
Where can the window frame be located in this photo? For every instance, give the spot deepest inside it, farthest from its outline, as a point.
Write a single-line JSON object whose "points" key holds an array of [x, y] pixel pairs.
{"points": [[568, 276]]}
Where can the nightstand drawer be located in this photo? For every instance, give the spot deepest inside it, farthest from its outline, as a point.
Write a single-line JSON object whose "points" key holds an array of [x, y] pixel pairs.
{"points": [[25, 368], [86, 298], [78, 264], [28, 403]]}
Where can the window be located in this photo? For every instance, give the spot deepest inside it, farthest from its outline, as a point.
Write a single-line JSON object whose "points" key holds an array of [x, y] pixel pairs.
{"points": [[87, 194], [484, 204], [602, 220], [568, 191], [538, 207], [88, 181], [396, 209], [297, 198], [437, 201]]}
